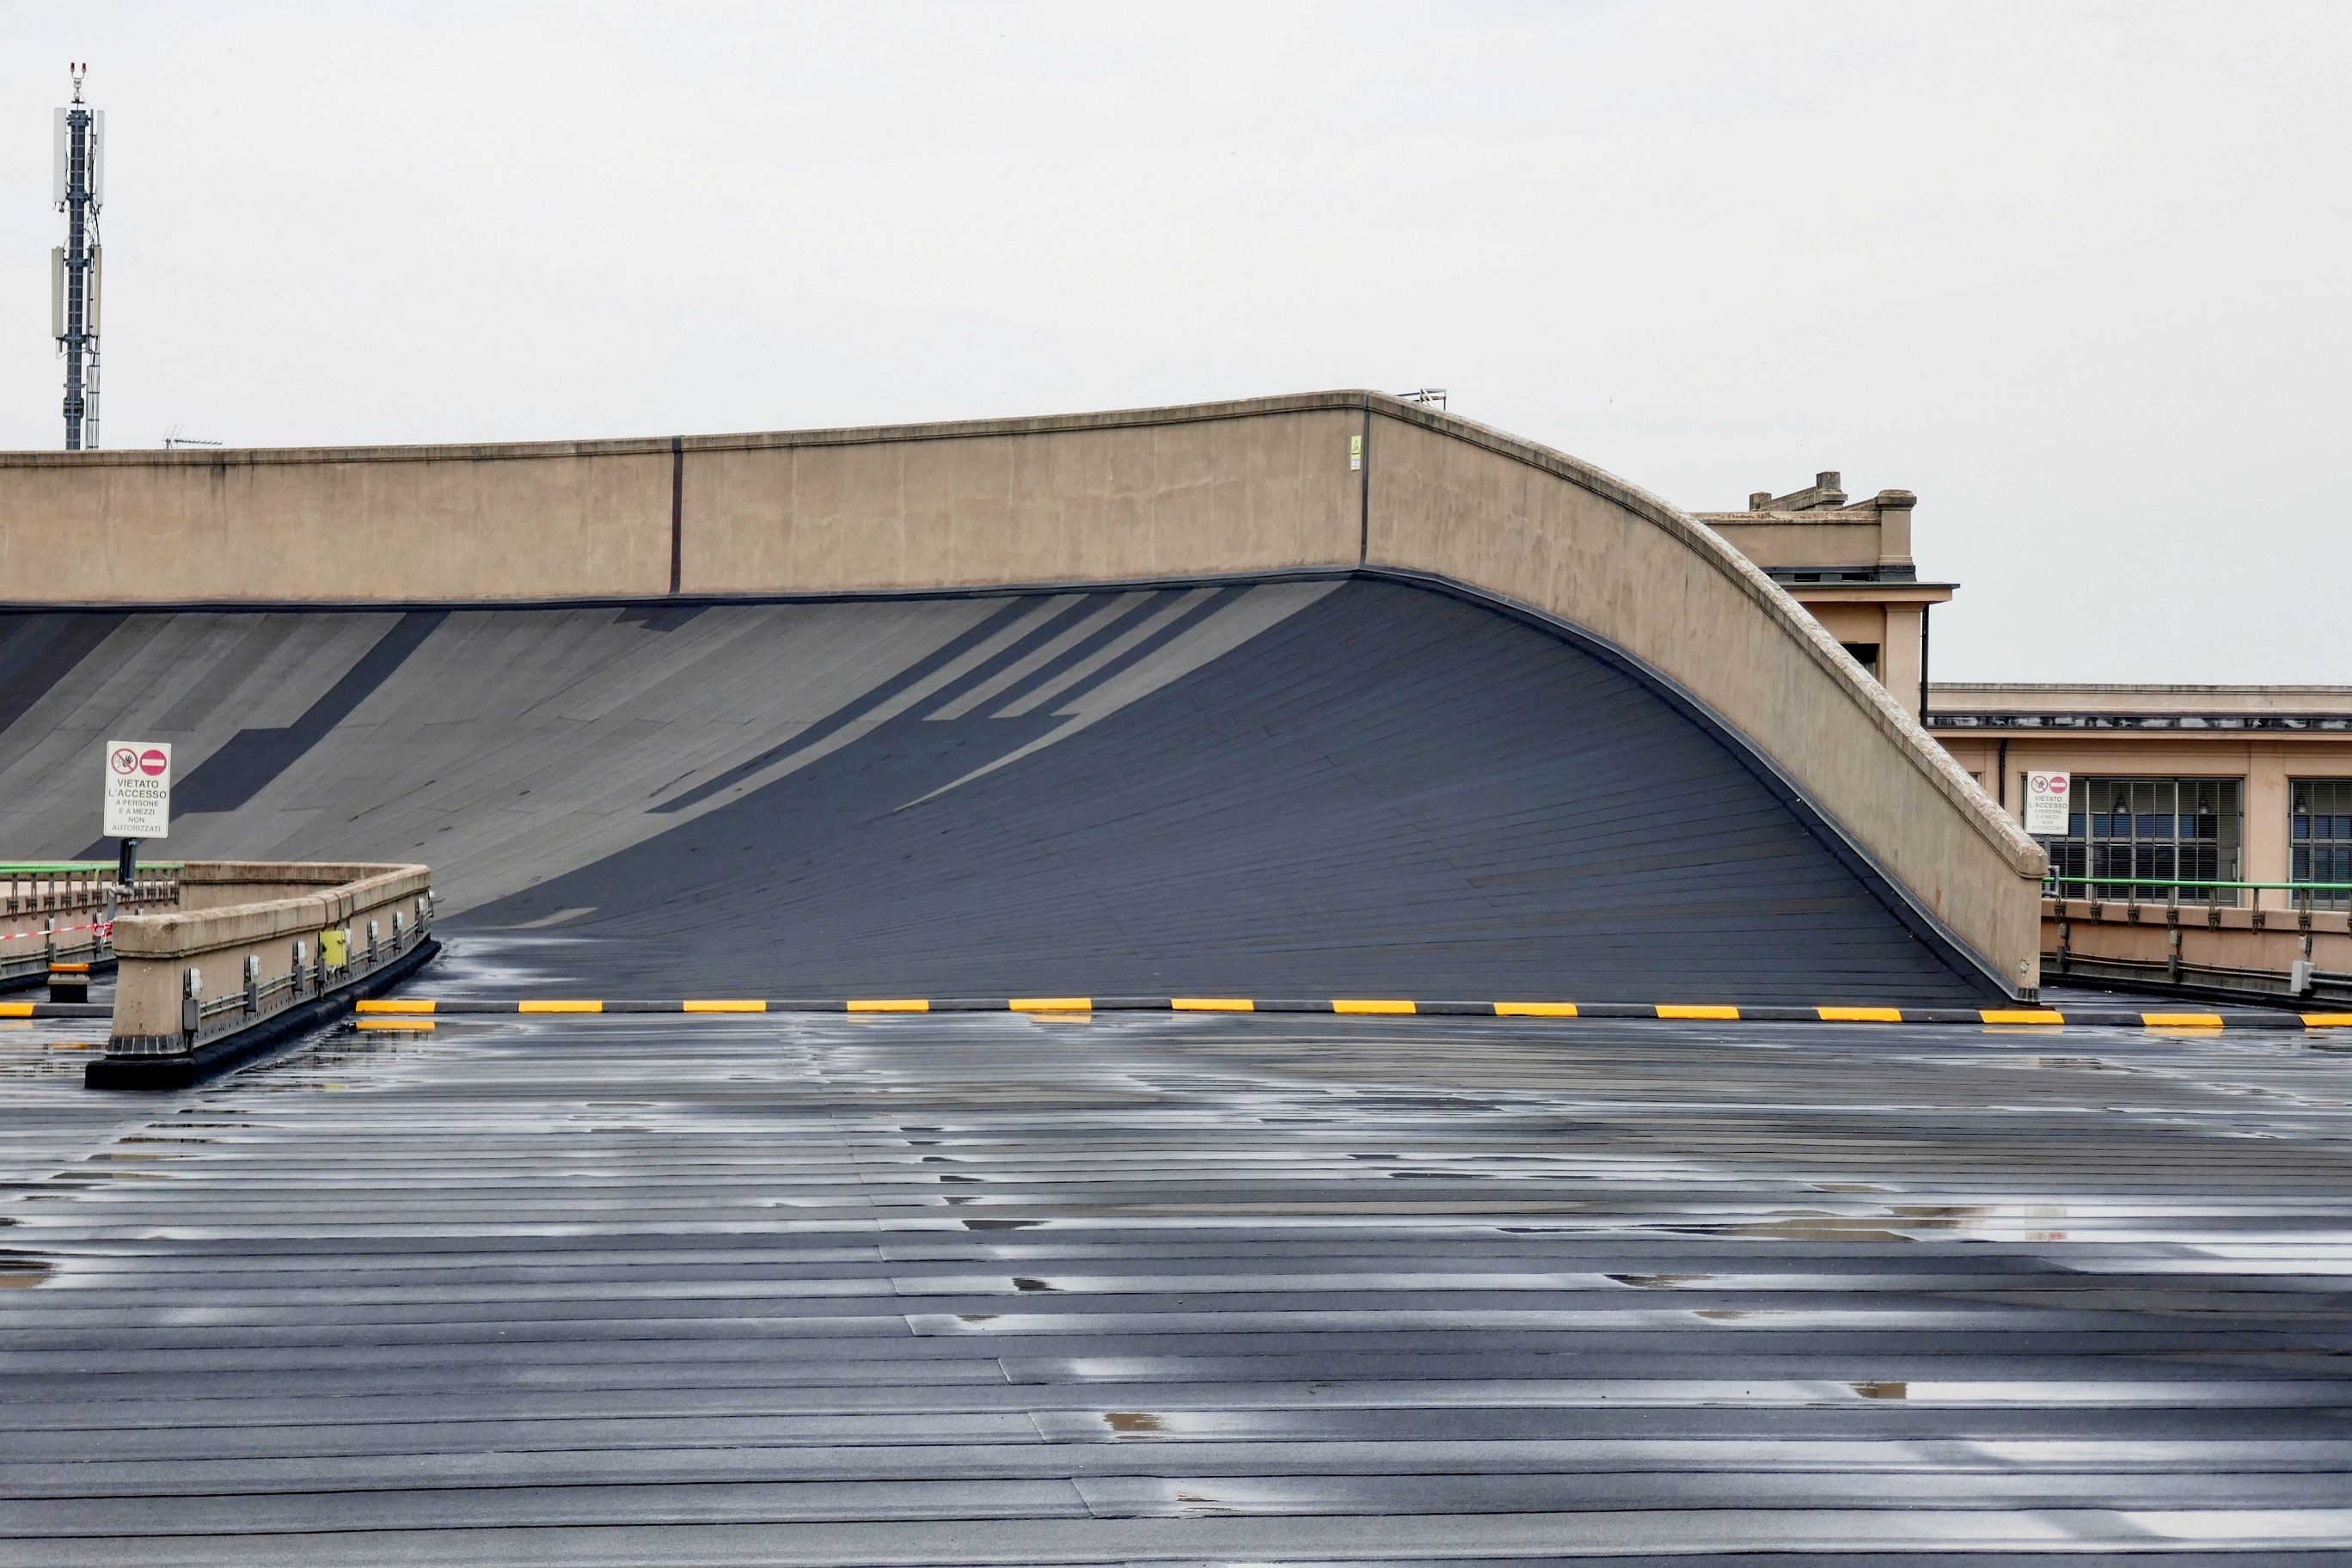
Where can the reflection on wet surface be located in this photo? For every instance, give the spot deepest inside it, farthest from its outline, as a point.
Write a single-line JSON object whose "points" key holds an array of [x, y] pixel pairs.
{"points": [[1130, 1422], [960, 1288], [20, 1269]]}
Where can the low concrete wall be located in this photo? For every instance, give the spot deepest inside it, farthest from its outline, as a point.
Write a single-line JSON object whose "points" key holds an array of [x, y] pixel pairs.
{"points": [[207, 885], [360, 525], [1252, 487], [2249, 950], [265, 910], [1233, 488]]}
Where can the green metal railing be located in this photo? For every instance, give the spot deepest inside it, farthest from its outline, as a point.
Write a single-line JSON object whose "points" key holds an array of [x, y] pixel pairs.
{"points": [[46, 887], [63, 868], [2303, 895]]}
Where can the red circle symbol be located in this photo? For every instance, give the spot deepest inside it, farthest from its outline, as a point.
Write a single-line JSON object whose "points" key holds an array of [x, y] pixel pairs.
{"points": [[152, 761], [123, 760]]}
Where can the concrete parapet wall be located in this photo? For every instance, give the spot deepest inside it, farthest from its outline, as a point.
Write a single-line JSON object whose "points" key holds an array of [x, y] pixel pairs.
{"points": [[1227, 487], [210, 885], [1220, 488], [1252, 487], [272, 908], [358, 525]]}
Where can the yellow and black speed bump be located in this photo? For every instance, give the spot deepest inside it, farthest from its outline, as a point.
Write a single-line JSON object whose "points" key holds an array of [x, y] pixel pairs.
{"points": [[57, 1009], [1695, 1012]]}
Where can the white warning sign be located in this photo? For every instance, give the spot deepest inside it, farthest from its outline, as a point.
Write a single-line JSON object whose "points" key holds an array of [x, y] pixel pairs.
{"points": [[2046, 796], [137, 789]]}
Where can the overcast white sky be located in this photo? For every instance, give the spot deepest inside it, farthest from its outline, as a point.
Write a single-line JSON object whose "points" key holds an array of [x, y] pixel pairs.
{"points": [[2077, 273]]}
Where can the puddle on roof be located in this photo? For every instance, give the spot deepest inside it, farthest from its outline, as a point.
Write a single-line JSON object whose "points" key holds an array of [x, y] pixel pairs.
{"points": [[1659, 1281], [23, 1271], [1898, 1222], [1805, 1228], [1129, 1423], [1021, 1282]]}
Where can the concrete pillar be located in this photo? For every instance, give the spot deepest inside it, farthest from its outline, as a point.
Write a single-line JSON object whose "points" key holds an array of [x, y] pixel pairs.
{"points": [[2269, 836], [1898, 657], [1894, 527]]}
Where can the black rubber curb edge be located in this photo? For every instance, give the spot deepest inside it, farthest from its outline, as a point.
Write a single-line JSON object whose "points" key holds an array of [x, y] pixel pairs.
{"points": [[418, 1010], [217, 1056]]}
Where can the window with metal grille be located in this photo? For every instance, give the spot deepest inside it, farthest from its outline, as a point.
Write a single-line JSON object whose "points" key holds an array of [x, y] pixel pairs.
{"points": [[2137, 837], [2321, 834]]}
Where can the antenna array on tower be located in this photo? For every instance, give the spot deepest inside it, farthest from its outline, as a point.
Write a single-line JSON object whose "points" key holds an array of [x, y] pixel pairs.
{"points": [[78, 185]]}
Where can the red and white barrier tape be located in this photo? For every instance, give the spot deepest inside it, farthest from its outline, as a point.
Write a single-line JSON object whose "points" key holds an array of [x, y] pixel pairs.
{"points": [[105, 926]]}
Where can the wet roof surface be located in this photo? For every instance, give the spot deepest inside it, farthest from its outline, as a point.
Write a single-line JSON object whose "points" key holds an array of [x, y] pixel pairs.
{"points": [[994, 1289]]}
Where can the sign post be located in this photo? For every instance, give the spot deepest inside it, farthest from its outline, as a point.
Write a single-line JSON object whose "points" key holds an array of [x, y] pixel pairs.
{"points": [[138, 798], [2046, 799]]}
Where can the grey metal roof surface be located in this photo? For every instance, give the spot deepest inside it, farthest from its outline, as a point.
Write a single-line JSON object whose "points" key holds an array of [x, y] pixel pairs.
{"points": [[992, 1288], [1317, 788]]}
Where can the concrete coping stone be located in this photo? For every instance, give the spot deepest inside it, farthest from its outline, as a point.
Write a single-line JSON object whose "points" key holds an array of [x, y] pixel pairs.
{"points": [[352, 890]]}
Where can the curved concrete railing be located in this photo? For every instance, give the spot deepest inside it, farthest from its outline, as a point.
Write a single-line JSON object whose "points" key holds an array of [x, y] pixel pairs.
{"points": [[1255, 487], [251, 941]]}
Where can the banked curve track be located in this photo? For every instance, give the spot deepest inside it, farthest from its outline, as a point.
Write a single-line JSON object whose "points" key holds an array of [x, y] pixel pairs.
{"points": [[1321, 787]]}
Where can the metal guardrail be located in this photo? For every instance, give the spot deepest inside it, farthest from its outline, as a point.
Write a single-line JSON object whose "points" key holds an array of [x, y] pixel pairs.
{"points": [[2303, 981], [32, 888], [2303, 895], [106, 866], [42, 899]]}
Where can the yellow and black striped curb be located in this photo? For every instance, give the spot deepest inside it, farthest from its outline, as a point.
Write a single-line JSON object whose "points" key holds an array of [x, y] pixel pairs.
{"points": [[391, 1008]]}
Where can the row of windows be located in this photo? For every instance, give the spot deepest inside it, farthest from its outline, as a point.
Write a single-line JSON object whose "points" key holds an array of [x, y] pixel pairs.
{"points": [[2144, 825], [2322, 835], [2132, 832]]}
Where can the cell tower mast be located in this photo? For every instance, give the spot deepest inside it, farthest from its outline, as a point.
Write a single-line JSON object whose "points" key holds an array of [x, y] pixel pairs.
{"points": [[79, 188]]}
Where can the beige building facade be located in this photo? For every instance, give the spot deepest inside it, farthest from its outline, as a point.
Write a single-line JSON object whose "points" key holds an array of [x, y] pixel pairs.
{"points": [[2169, 783], [1848, 562]]}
